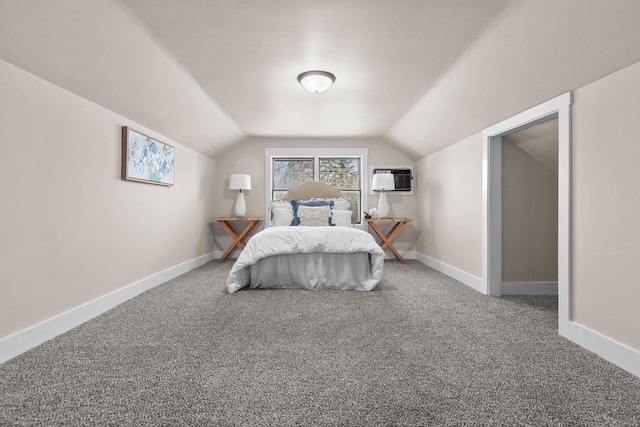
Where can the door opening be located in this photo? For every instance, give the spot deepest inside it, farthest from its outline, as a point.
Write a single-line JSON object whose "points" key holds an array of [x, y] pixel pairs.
{"points": [[530, 210], [556, 108]]}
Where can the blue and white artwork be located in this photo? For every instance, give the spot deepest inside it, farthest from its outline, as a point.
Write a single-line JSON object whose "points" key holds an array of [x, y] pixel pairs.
{"points": [[146, 159]]}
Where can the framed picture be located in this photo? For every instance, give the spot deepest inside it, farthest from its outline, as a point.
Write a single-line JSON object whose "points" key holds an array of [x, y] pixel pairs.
{"points": [[145, 159]]}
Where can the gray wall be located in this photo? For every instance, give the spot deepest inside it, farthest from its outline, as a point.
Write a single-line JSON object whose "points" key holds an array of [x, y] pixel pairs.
{"points": [[249, 157], [449, 190], [605, 205], [71, 229], [529, 210]]}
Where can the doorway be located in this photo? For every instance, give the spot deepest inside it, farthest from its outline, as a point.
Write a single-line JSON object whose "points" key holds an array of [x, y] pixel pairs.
{"points": [[557, 108], [530, 210]]}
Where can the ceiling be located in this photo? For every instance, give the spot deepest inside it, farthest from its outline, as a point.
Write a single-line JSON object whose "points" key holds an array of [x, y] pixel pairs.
{"points": [[422, 74], [540, 142], [247, 56]]}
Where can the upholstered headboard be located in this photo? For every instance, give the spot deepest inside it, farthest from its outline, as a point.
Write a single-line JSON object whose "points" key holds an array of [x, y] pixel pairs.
{"points": [[312, 189]]}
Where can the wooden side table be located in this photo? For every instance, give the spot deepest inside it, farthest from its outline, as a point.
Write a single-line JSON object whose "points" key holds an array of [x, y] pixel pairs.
{"points": [[387, 239], [238, 238]]}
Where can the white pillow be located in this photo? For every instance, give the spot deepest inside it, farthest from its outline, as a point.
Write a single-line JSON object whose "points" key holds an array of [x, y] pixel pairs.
{"points": [[342, 217], [311, 216], [341, 204], [281, 204], [282, 217]]}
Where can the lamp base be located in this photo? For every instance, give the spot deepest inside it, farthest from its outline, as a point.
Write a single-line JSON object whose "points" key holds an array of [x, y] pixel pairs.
{"points": [[240, 207], [383, 206]]}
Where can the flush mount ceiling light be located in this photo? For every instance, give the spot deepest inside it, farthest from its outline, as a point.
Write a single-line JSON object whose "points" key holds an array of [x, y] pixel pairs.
{"points": [[316, 81]]}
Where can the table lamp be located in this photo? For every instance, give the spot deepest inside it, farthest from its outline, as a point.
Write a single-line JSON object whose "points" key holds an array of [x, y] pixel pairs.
{"points": [[383, 182], [240, 182]]}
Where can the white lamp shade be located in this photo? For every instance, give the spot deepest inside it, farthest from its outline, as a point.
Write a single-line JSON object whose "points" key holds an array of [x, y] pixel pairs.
{"points": [[316, 81], [383, 182], [240, 182]]}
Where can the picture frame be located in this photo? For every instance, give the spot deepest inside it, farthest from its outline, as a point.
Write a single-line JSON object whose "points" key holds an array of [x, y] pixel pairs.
{"points": [[145, 159]]}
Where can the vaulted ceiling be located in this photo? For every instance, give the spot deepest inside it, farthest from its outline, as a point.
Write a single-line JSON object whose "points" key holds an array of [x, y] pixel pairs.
{"points": [[421, 73], [247, 55], [540, 142]]}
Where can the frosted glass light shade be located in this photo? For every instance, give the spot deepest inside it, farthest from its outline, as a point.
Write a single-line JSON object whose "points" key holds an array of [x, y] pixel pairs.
{"points": [[240, 182], [316, 81]]}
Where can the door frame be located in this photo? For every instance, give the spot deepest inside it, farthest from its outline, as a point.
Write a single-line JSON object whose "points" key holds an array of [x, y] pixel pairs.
{"points": [[560, 108]]}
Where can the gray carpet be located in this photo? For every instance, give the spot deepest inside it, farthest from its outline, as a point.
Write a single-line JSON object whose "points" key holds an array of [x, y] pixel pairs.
{"points": [[422, 349]]}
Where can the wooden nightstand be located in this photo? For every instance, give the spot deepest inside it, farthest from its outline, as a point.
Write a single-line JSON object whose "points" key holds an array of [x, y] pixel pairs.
{"points": [[238, 238], [387, 239]]}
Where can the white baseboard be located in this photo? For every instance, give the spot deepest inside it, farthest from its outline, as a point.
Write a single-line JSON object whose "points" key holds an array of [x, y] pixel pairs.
{"points": [[453, 272], [39, 333], [529, 288], [609, 349]]}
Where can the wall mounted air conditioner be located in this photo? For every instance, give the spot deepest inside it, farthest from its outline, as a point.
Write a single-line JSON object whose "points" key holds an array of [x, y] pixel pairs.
{"points": [[403, 177]]}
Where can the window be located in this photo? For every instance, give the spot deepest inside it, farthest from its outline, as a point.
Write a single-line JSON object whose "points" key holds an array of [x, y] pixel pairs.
{"points": [[289, 173], [343, 174], [340, 168]]}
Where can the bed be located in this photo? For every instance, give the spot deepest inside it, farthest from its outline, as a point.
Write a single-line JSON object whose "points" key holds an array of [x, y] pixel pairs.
{"points": [[314, 255]]}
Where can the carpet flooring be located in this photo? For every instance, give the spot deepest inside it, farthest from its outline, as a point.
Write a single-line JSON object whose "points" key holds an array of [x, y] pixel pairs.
{"points": [[421, 349]]}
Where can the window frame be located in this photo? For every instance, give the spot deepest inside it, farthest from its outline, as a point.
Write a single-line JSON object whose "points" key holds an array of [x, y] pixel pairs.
{"points": [[348, 190], [317, 153], [273, 160]]}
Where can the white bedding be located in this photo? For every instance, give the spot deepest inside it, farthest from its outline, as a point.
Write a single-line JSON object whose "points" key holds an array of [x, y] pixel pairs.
{"points": [[275, 241]]}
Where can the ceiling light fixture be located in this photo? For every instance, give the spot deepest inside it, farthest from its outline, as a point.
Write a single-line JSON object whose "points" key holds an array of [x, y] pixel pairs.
{"points": [[316, 81]]}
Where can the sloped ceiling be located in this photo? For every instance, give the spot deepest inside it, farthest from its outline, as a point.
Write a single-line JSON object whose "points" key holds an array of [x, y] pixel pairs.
{"points": [[536, 50], [247, 56], [424, 74], [540, 142], [100, 52]]}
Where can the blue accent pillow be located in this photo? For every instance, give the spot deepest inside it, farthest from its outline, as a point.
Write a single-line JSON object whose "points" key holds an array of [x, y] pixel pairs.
{"points": [[311, 202]]}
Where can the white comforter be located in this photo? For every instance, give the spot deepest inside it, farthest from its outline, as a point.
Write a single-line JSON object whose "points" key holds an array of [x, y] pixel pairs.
{"points": [[295, 240]]}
